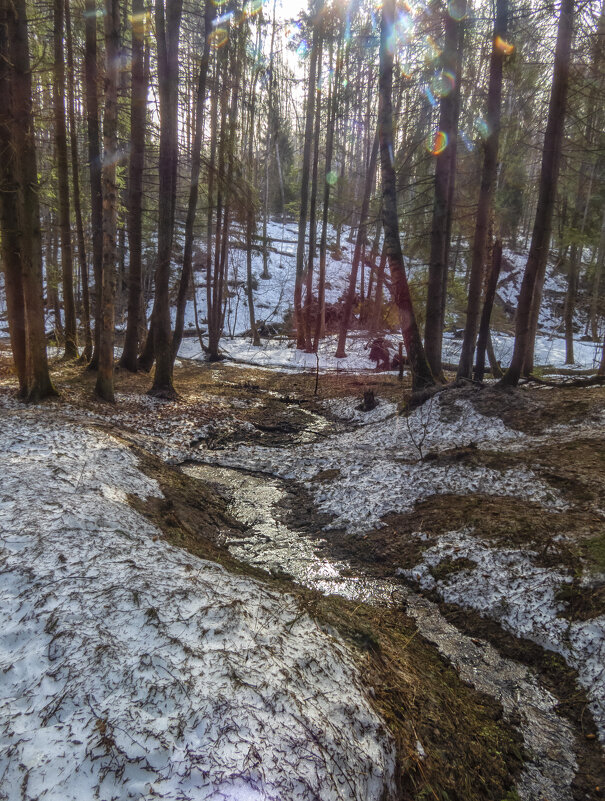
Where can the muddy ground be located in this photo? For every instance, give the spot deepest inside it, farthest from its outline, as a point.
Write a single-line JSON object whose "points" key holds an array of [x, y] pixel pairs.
{"points": [[468, 750]]}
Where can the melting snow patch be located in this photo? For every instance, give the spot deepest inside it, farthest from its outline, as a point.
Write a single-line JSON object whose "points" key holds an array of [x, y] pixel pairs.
{"points": [[379, 466], [508, 586], [131, 669]]}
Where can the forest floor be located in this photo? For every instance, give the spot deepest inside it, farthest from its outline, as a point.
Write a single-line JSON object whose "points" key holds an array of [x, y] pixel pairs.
{"points": [[459, 552]]}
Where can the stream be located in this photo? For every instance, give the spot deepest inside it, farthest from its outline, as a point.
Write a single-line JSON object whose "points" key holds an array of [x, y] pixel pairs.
{"points": [[270, 544]]}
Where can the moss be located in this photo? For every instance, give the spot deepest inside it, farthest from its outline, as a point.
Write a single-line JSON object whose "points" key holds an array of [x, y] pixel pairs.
{"points": [[594, 549]]}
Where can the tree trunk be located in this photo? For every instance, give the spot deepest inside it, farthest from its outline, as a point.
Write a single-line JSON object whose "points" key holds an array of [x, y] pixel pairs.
{"points": [[313, 208], [75, 177], [138, 119], [594, 301], [444, 168], [9, 216], [582, 204], [196, 159], [488, 305], [104, 386], [421, 373], [377, 315], [39, 384], [486, 192], [94, 164], [168, 21], [69, 307], [533, 277], [304, 191], [320, 323], [361, 238]]}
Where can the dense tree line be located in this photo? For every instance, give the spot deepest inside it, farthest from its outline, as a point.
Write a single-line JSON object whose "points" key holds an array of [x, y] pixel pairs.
{"points": [[140, 141]]}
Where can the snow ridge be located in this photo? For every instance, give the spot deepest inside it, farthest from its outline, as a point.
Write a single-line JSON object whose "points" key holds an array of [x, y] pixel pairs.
{"points": [[131, 669]]}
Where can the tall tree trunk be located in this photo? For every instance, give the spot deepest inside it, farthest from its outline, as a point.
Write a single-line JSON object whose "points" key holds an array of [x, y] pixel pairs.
{"points": [[320, 323], [9, 215], [308, 307], [104, 386], [421, 373], [488, 305], [271, 135], [359, 244], [69, 306], [196, 158], [535, 269], [75, 177], [94, 164], [304, 191], [377, 315], [486, 192], [444, 168], [138, 119], [250, 222], [583, 199], [594, 301], [168, 22], [39, 384]]}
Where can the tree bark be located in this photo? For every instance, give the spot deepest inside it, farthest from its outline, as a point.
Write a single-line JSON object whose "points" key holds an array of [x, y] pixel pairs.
{"points": [[94, 164], [486, 192], [304, 191], [168, 21], [359, 244], [39, 384], [421, 373], [488, 305], [75, 177], [320, 323], [594, 301], [313, 208], [533, 277], [104, 386], [196, 159], [9, 215], [138, 119], [69, 307], [444, 169]]}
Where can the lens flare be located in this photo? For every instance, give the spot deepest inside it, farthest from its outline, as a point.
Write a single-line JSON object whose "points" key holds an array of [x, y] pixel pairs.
{"points": [[252, 8], [303, 49], [482, 128], [332, 177], [443, 83], [467, 142], [437, 143], [457, 9], [430, 96], [224, 19], [503, 47], [218, 38]]}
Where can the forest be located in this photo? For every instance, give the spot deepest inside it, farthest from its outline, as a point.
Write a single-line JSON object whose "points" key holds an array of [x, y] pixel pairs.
{"points": [[302, 400]]}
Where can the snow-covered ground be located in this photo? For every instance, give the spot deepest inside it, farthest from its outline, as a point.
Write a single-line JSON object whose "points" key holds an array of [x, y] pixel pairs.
{"points": [[508, 585], [131, 669], [377, 469], [273, 300], [379, 466]]}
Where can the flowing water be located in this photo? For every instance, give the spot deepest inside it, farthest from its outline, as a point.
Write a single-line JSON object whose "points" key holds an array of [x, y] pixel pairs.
{"points": [[270, 544]]}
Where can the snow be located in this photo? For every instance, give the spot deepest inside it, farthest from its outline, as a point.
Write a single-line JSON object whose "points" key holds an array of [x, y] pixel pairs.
{"points": [[282, 354], [508, 585], [132, 669], [379, 466]]}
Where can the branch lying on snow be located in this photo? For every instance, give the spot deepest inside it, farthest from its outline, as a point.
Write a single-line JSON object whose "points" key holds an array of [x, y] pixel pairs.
{"points": [[594, 381]]}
